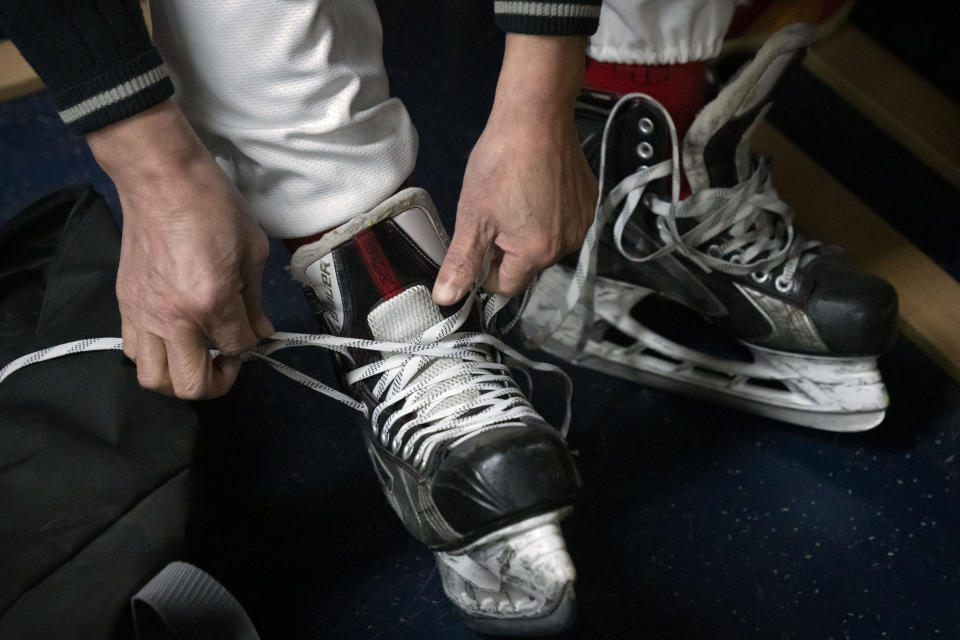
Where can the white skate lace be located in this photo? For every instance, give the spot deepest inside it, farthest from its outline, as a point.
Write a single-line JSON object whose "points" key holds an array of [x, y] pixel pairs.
{"points": [[752, 228], [433, 419]]}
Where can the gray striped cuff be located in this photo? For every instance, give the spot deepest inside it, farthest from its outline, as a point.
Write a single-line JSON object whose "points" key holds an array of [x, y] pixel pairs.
{"points": [[546, 9], [115, 94], [548, 17]]}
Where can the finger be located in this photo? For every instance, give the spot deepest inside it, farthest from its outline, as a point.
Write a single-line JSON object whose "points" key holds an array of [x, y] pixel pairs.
{"points": [[152, 371], [194, 374], [128, 335], [253, 282], [461, 265], [229, 328], [511, 276]]}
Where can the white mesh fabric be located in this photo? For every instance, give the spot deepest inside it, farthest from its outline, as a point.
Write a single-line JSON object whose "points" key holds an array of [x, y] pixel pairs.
{"points": [[293, 101], [660, 31]]}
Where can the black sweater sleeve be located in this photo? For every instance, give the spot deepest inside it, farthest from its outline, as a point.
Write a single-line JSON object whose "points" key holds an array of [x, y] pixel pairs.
{"points": [[548, 17], [95, 56]]}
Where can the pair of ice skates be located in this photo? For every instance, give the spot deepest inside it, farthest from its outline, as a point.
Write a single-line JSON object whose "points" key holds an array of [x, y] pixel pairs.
{"points": [[473, 471], [471, 468]]}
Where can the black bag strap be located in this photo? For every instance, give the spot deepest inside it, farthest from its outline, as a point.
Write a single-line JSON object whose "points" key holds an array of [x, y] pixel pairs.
{"points": [[183, 602]]}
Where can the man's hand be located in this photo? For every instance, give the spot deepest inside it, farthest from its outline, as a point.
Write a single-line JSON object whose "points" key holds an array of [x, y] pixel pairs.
{"points": [[528, 193], [191, 259]]}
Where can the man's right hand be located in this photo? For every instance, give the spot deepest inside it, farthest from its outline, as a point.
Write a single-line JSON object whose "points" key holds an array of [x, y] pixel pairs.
{"points": [[191, 259]]}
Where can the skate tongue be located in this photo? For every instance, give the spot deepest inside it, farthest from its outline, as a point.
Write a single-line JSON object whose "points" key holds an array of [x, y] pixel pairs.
{"points": [[716, 150], [404, 317]]}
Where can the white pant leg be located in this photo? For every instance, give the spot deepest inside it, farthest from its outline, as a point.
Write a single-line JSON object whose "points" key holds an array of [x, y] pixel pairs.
{"points": [[292, 98], [660, 31]]}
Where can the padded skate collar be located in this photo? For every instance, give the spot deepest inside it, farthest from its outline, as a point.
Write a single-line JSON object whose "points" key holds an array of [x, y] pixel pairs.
{"points": [[405, 200]]}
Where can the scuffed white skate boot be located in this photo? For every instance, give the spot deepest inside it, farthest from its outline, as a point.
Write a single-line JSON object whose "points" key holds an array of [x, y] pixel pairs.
{"points": [[807, 326]]}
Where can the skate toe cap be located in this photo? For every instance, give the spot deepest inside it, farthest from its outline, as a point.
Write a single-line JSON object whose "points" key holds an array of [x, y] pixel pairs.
{"points": [[503, 475], [854, 312]]}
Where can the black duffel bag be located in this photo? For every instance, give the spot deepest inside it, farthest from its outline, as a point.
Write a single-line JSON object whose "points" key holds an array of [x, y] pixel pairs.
{"points": [[95, 473]]}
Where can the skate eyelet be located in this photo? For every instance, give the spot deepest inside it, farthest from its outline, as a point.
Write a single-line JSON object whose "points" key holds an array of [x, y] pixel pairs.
{"points": [[714, 251], [760, 276], [783, 285], [647, 200], [646, 126], [736, 258], [645, 150]]}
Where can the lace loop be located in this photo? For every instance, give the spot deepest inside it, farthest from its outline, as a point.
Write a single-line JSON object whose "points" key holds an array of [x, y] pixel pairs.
{"points": [[748, 228], [419, 407]]}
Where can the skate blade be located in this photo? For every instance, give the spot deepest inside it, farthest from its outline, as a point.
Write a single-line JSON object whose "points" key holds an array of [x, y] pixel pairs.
{"points": [[842, 394], [836, 421], [515, 582]]}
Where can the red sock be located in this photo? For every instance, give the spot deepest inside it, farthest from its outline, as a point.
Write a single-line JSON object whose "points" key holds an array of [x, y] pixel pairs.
{"points": [[293, 244], [680, 88]]}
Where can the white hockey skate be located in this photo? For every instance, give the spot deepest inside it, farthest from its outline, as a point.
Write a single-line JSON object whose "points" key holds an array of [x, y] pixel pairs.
{"points": [[809, 325]]}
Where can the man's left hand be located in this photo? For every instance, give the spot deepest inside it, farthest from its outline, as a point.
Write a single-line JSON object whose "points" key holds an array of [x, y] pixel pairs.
{"points": [[528, 193]]}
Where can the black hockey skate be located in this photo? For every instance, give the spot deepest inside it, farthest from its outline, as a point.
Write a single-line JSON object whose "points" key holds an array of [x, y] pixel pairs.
{"points": [[469, 466], [809, 325]]}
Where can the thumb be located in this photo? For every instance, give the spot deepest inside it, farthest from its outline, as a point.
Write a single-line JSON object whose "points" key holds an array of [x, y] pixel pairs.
{"points": [[461, 265]]}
